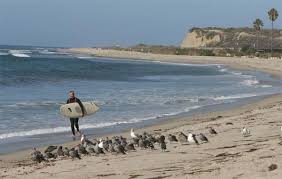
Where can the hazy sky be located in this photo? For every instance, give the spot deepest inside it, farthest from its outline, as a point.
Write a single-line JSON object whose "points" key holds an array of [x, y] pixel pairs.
{"points": [[125, 22]]}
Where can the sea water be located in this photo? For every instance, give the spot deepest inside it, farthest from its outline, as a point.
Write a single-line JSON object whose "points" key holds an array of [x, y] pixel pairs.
{"points": [[35, 82]]}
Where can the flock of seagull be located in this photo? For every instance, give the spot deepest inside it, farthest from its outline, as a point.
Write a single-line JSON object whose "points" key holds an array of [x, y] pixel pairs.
{"points": [[120, 145]]}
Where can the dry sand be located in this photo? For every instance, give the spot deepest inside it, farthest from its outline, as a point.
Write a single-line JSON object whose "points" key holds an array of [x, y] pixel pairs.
{"points": [[226, 155]]}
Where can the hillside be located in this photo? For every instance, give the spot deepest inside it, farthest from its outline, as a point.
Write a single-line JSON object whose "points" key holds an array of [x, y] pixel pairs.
{"points": [[230, 38]]}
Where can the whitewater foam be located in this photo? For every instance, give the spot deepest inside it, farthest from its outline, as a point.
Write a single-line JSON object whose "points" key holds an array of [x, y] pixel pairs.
{"points": [[90, 126], [31, 104], [250, 82], [238, 96], [185, 64]]}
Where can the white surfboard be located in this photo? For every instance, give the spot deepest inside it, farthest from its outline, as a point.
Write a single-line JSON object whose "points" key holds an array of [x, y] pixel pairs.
{"points": [[73, 110]]}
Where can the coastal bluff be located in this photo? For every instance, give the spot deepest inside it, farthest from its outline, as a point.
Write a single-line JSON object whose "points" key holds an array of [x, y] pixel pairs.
{"points": [[213, 37]]}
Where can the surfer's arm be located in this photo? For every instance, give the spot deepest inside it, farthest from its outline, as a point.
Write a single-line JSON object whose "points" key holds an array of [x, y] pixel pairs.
{"points": [[81, 106]]}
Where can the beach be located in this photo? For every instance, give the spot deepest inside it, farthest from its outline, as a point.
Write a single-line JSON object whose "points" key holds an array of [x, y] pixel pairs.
{"points": [[272, 66], [227, 154]]}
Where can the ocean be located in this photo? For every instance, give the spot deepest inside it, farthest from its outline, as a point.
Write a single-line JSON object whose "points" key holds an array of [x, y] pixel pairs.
{"points": [[35, 82]]}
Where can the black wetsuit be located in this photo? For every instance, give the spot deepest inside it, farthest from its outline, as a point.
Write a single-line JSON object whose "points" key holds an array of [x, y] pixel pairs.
{"points": [[74, 121]]}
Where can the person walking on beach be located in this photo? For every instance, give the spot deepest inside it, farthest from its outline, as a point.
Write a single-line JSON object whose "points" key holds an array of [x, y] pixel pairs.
{"points": [[74, 121]]}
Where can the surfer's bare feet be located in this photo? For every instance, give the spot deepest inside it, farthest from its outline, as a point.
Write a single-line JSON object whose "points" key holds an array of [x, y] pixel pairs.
{"points": [[79, 133]]}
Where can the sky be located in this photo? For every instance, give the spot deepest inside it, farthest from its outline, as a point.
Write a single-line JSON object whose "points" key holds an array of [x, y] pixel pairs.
{"points": [[89, 23]]}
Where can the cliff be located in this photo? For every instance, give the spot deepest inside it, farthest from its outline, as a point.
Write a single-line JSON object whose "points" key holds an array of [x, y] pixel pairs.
{"points": [[230, 38]]}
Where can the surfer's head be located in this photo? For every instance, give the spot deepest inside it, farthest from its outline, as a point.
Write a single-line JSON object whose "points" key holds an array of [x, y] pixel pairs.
{"points": [[71, 94]]}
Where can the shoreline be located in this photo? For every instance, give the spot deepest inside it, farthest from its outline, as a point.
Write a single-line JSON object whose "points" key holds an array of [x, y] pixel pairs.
{"points": [[11, 161], [271, 66]]}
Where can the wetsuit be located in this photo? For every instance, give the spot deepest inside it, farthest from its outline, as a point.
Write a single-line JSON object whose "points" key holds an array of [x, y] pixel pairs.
{"points": [[74, 121]]}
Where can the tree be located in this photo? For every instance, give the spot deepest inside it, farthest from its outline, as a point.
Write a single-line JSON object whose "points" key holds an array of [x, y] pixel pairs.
{"points": [[257, 24], [273, 15]]}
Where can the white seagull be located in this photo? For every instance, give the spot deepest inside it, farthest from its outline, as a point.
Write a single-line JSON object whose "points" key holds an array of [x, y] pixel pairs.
{"points": [[246, 132], [192, 138], [82, 139], [132, 134], [101, 144]]}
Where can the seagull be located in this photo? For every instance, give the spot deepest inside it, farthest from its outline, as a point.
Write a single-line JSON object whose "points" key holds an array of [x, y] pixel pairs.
{"points": [[119, 149], [123, 141], [161, 139], [85, 141], [103, 144], [66, 151], [111, 148], [135, 141], [141, 144], [192, 138], [182, 138], [203, 138], [74, 153], [163, 146], [245, 132], [50, 148], [172, 138], [81, 149], [98, 150], [60, 151], [90, 149], [212, 131], [37, 156], [49, 155], [132, 134], [129, 147]]}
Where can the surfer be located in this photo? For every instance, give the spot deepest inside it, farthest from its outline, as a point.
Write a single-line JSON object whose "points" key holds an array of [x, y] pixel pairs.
{"points": [[74, 121]]}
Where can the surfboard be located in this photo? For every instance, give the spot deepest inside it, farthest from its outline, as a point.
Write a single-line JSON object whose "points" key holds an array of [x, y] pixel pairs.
{"points": [[73, 110]]}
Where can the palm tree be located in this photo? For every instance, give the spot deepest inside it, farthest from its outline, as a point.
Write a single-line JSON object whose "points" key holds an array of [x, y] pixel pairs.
{"points": [[257, 24], [273, 15]]}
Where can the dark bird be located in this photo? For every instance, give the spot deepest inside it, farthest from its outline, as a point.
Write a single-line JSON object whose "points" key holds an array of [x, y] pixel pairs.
{"points": [[81, 149], [203, 138], [49, 155], [111, 148], [74, 154], [66, 151], [37, 156], [141, 144], [135, 141], [182, 138], [60, 151], [212, 131], [161, 139], [149, 144], [130, 147], [90, 149], [163, 146], [123, 141], [172, 138], [50, 148], [119, 149]]}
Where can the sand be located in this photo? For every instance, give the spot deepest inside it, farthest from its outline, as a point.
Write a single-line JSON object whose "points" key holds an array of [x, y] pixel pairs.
{"points": [[226, 155]]}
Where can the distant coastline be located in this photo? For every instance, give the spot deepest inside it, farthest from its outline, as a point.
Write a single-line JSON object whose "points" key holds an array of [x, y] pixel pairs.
{"points": [[272, 66]]}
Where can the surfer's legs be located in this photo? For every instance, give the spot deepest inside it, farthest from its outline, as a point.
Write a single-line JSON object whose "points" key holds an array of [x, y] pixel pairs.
{"points": [[76, 124], [72, 121]]}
